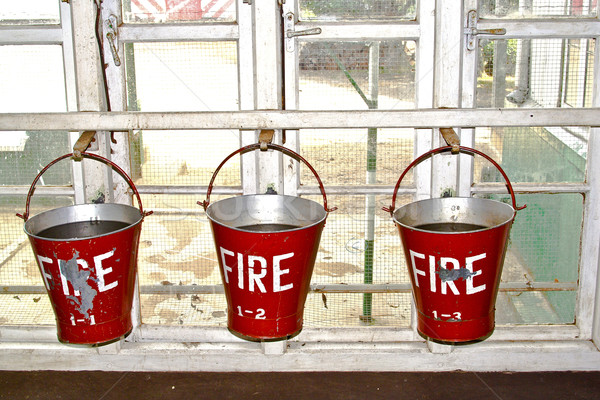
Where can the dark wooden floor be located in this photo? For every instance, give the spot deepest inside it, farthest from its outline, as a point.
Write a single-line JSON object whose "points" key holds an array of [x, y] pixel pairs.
{"points": [[314, 385]]}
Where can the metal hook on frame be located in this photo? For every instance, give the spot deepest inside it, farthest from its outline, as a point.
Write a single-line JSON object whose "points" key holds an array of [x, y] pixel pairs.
{"points": [[451, 139], [111, 26], [265, 137], [84, 141], [471, 30]]}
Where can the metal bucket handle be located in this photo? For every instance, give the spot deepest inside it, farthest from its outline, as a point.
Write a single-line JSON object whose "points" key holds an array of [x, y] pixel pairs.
{"points": [[467, 150], [257, 146], [25, 216]]}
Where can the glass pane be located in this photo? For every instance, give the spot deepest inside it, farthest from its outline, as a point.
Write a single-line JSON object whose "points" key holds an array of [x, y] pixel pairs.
{"points": [[161, 11], [338, 10], [544, 247], [29, 12], [357, 75], [537, 8], [190, 76], [536, 73], [32, 79], [23, 154], [532, 154], [183, 77], [535, 307]]}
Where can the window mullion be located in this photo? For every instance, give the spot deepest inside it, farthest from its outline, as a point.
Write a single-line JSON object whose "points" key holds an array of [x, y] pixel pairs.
{"points": [[449, 46], [587, 313], [268, 84], [588, 305], [291, 87], [246, 68], [91, 93], [117, 98], [71, 93]]}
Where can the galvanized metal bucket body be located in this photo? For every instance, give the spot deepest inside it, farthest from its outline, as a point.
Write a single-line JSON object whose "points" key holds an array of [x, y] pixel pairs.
{"points": [[455, 275], [266, 246], [87, 256], [454, 249], [266, 272]]}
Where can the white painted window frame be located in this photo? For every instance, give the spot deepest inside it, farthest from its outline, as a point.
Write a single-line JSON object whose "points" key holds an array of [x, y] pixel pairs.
{"points": [[519, 348]]}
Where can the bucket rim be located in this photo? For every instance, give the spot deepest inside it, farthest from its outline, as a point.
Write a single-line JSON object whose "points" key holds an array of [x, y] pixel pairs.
{"points": [[295, 198], [441, 199], [57, 209]]}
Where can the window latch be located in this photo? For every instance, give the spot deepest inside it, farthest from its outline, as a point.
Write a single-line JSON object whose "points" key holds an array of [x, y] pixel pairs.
{"points": [[471, 30], [110, 27], [289, 26]]}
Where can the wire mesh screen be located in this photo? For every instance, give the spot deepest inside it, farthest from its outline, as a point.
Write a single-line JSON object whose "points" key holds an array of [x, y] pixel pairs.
{"points": [[342, 257], [532, 154], [185, 158], [537, 8], [18, 266], [343, 156], [545, 237], [357, 75], [579, 72], [23, 154], [321, 310], [360, 244], [347, 310], [544, 247], [26, 309], [535, 73], [357, 9], [534, 307], [176, 245], [25, 300], [184, 309], [165, 11], [198, 76], [32, 81]]}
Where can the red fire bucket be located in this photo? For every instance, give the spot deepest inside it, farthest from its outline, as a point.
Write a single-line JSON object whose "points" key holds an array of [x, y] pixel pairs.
{"points": [[266, 246], [87, 256], [454, 249]]}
